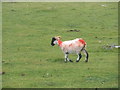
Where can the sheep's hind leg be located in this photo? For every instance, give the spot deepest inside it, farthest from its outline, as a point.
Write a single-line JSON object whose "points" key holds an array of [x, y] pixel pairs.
{"points": [[79, 57], [66, 58], [86, 55]]}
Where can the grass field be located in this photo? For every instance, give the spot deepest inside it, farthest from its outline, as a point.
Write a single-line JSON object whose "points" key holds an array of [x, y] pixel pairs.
{"points": [[29, 61]]}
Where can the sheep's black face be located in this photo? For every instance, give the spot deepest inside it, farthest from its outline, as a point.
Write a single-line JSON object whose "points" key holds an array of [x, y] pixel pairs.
{"points": [[52, 42]]}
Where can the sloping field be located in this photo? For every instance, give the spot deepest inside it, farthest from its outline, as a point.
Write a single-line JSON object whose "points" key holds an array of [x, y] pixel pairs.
{"points": [[29, 61]]}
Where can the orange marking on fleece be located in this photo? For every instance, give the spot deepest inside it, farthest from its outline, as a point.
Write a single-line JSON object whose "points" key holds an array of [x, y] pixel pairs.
{"points": [[59, 42], [82, 41], [70, 45], [79, 45]]}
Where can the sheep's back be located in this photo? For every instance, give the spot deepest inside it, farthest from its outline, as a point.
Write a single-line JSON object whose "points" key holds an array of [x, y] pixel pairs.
{"points": [[73, 46]]}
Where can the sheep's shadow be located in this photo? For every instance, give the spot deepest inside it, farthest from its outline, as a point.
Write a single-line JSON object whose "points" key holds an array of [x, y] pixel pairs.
{"points": [[60, 60]]}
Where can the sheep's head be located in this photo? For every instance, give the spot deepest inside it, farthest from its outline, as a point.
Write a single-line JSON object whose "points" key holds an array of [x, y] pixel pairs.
{"points": [[54, 40]]}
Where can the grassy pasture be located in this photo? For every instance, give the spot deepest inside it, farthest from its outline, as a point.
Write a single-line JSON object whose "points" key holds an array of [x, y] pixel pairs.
{"points": [[30, 61]]}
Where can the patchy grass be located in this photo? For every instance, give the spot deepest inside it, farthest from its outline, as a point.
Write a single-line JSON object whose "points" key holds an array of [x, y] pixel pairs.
{"points": [[30, 61]]}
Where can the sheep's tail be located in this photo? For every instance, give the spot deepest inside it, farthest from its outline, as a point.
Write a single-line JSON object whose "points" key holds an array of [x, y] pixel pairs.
{"points": [[83, 42]]}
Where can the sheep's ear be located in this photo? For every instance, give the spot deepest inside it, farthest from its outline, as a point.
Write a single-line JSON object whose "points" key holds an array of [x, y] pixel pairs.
{"points": [[59, 37]]}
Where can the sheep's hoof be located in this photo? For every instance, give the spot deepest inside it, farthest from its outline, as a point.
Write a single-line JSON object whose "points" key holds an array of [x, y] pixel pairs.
{"points": [[70, 60], [65, 61], [77, 60], [86, 60]]}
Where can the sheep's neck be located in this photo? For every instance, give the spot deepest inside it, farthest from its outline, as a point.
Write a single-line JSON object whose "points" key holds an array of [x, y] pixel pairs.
{"points": [[59, 42]]}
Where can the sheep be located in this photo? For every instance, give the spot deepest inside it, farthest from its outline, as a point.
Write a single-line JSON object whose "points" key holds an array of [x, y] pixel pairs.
{"points": [[72, 46]]}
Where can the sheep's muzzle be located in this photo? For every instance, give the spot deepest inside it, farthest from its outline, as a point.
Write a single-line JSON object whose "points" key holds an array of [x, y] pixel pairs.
{"points": [[52, 42]]}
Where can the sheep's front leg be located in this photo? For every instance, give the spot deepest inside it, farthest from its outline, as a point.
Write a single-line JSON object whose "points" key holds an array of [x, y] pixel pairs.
{"points": [[66, 58], [79, 57]]}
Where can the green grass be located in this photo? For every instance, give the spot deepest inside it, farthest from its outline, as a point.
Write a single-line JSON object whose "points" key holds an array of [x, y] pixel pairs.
{"points": [[29, 60]]}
